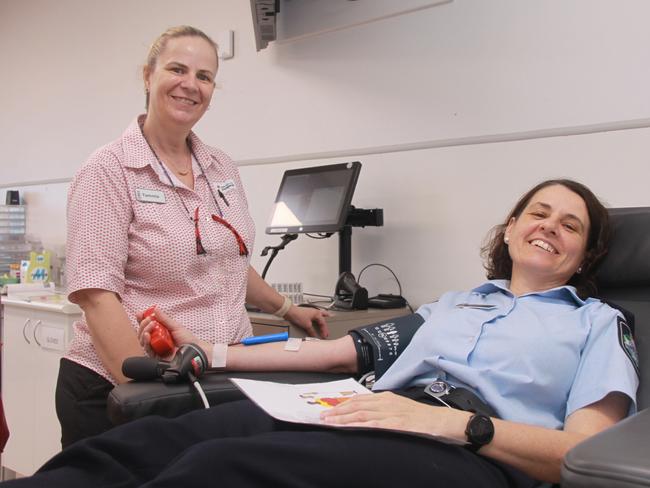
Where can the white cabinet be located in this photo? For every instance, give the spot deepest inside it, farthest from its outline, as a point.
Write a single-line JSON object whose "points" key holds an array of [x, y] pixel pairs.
{"points": [[35, 337]]}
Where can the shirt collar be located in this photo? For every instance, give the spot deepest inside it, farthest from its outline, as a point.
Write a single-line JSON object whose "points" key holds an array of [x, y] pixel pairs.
{"points": [[135, 145], [565, 292]]}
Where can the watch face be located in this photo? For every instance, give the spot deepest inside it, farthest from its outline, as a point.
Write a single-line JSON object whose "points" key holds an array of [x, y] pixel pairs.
{"points": [[438, 388], [480, 430]]}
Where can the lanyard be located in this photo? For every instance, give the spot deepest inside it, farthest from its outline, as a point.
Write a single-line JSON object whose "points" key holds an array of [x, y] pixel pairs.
{"points": [[171, 182], [243, 250]]}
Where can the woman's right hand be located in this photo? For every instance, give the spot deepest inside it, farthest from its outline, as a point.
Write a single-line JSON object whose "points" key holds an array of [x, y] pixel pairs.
{"points": [[179, 334]]}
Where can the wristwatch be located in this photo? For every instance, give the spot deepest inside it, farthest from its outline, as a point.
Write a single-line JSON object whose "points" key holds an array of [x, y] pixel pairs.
{"points": [[479, 431]]}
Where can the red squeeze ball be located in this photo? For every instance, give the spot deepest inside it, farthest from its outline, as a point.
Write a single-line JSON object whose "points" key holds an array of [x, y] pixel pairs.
{"points": [[161, 340]]}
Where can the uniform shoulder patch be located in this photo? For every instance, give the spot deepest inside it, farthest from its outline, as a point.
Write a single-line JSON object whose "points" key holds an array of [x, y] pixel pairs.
{"points": [[626, 341]]}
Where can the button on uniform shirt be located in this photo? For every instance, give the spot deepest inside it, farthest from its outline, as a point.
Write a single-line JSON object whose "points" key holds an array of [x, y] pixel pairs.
{"points": [[535, 358], [129, 233]]}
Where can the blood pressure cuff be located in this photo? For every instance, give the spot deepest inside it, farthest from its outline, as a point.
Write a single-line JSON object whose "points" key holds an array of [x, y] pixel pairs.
{"points": [[378, 345]]}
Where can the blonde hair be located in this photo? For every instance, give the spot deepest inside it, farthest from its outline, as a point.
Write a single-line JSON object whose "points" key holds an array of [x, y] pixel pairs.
{"points": [[158, 46]]}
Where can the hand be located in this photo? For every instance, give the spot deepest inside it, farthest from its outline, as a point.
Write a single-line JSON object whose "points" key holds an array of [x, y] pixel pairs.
{"points": [[390, 411], [306, 318], [179, 334]]}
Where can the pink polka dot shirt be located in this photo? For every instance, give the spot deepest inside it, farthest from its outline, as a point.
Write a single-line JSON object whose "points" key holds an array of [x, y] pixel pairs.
{"points": [[129, 233]]}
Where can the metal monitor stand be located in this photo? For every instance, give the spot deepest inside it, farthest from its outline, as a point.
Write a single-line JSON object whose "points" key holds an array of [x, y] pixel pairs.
{"points": [[357, 217], [345, 249]]}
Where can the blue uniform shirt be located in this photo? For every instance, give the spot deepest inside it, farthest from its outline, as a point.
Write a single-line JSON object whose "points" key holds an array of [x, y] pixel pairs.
{"points": [[535, 358]]}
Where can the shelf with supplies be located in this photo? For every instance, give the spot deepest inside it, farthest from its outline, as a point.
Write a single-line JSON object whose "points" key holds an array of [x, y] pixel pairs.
{"points": [[13, 246], [339, 323]]}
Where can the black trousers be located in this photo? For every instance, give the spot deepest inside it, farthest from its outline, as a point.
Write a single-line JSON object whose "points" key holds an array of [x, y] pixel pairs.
{"points": [[81, 396], [238, 445]]}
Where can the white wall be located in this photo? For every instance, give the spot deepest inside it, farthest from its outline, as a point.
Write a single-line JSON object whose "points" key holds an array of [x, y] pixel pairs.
{"points": [[439, 204], [462, 69], [75, 76], [439, 80]]}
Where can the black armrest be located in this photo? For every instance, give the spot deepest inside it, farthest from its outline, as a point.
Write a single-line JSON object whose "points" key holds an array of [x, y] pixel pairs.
{"points": [[615, 458], [136, 399]]}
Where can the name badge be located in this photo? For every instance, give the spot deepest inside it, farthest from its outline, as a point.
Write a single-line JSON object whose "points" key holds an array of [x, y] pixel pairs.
{"points": [[149, 196], [478, 306], [226, 186]]}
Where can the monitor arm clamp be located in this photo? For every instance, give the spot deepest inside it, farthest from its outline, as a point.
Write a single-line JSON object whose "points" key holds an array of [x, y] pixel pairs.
{"points": [[286, 239]]}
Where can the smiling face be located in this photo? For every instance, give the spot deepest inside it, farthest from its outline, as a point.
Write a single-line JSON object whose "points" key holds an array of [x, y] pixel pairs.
{"points": [[547, 242], [181, 82]]}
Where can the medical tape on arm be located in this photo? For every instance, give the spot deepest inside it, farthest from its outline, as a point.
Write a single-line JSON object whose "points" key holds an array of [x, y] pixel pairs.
{"points": [[378, 345], [219, 353]]}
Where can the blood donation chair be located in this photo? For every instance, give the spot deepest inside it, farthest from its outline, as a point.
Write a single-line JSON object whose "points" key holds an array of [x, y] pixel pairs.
{"points": [[619, 457]]}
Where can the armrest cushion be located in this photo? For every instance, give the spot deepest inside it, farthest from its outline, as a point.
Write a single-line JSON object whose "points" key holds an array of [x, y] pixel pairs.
{"points": [[616, 457], [136, 399]]}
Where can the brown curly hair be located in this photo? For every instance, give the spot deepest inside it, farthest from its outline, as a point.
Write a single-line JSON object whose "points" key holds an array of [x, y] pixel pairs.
{"points": [[498, 263]]}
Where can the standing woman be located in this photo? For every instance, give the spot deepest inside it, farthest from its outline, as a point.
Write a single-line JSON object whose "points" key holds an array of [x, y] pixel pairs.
{"points": [[158, 217]]}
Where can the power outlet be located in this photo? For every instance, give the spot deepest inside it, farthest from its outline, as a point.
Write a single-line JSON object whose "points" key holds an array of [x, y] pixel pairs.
{"points": [[291, 290]]}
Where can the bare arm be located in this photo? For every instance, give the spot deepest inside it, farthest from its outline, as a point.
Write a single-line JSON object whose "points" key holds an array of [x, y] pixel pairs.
{"points": [[336, 356], [539, 452], [534, 450], [260, 294], [111, 331]]}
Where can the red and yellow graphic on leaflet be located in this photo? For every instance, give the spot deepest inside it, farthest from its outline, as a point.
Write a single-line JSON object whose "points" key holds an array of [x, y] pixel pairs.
{"points": [[328, 399]]}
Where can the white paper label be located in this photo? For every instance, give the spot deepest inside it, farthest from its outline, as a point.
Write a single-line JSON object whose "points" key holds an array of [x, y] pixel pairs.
{"points": [[52, 338]]}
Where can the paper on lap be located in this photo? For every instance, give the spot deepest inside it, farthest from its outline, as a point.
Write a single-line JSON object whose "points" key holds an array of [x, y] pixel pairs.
{"points": [[303, 403], [299, 403]]}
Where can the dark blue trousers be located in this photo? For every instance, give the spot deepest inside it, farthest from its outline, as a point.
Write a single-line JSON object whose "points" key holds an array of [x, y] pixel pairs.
{"points": [[238, 445]]}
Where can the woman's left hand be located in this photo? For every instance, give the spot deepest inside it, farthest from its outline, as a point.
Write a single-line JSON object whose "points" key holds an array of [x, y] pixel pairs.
{"points": [[387, 410], [311, 320]]}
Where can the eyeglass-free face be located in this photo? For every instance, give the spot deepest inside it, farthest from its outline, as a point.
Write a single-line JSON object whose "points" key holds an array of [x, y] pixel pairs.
{"points": [[181, 84], [547, 242]]}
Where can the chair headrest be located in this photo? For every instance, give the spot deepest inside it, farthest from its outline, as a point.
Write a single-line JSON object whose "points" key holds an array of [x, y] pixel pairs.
{"points": [[628, 260]]}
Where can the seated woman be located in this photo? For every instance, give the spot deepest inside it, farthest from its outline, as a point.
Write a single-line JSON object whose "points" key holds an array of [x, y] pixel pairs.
{"points": [[528, 342]]}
